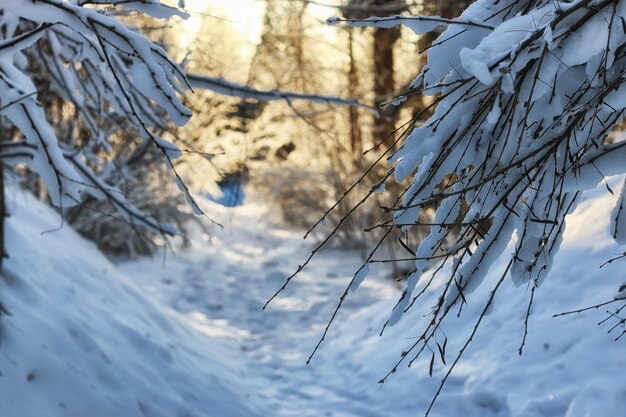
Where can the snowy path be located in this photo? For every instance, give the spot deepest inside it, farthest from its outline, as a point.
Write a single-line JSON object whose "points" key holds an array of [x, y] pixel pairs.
{"points": [[225, 284], [221, 287], [187, 336]]}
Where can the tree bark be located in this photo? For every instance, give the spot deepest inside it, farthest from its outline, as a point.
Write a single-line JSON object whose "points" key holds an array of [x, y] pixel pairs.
{"points": [[356, 137], [384, 82], [450, 9]]}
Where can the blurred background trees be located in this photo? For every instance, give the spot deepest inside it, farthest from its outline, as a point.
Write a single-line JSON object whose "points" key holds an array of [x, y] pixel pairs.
{"points": [[301, 155]]}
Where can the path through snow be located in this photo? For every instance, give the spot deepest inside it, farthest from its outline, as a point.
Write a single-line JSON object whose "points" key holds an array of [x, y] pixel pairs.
{"points": [[222, 286], [185, 336]]}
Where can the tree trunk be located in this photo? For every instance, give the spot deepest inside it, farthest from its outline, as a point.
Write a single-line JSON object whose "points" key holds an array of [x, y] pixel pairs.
{"points": [[384, 83], [356, 137], [450, 9]]}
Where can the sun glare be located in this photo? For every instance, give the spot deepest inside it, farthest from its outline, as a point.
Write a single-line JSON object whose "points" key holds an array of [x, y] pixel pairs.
{"points": [[244, 16]]}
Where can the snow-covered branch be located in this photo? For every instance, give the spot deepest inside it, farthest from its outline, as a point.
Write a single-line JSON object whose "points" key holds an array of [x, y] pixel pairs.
{"points": [[117, 80], [526, 91], [418, 24], [229, 88], [518, 132]]}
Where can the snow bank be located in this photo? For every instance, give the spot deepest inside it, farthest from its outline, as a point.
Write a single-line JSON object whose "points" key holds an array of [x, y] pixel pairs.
{"points": [[570, 366], [83, 340]]}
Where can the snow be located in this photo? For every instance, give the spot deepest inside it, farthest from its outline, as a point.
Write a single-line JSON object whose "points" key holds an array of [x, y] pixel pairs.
{"points": [[84, 340], [185, 333], [232, 89], [418, 24], [359, 277]]}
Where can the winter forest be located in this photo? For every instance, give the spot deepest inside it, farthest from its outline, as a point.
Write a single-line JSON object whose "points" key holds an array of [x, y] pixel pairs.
{"points": [[312, 208]]}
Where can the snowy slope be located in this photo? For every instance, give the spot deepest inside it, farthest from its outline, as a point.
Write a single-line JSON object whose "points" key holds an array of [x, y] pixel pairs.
{"points": [[570, 366], [185, 335], [83, 340]]}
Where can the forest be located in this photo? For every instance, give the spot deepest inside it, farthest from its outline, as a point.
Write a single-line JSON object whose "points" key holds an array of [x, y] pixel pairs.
{"points": [[281, 208]]}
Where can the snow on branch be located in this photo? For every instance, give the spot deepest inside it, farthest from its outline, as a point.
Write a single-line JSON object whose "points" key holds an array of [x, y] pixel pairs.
{"points": [[117, 80], [418, 24], [153, 8], [518, 133], [229, 88]]}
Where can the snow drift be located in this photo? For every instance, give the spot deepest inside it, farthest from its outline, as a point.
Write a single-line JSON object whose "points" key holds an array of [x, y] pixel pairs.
{"points": [[83, 340]]}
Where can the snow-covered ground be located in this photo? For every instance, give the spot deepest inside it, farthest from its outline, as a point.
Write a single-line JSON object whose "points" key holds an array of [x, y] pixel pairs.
{"points": [[185, 335], [84, 340]]}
